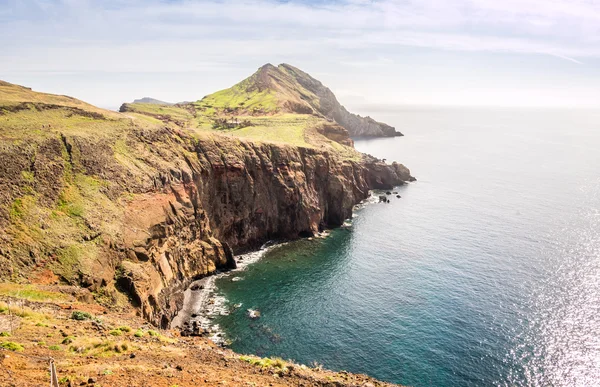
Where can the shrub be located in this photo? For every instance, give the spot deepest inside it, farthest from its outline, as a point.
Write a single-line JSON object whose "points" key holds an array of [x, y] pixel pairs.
{"points": [[115, 332], [125, 329], [80, 316], [68, 340], [265, 362], [153, 333], [54, 348], [139, 333], [5, 334], [11, 346]]}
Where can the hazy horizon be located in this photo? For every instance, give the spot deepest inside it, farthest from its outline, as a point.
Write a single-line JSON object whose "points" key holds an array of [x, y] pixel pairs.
{"points": [[370, 53]]}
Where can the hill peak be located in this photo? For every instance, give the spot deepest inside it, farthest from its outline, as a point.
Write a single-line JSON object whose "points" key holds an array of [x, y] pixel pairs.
{"points": [[287, 89]]}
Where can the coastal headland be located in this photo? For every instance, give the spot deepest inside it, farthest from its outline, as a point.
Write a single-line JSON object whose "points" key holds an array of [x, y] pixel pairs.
{"points": [[114, 215]]}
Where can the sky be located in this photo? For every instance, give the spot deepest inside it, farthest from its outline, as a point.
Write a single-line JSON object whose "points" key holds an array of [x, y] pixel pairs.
{"points": [[373, 54]]}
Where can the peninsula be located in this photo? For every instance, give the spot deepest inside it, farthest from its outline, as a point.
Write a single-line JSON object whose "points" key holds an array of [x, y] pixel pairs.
{"points": [[107, 217]]}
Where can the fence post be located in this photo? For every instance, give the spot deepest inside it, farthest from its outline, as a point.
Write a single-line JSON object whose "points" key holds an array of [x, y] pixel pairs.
{"points": [[53, 376]]}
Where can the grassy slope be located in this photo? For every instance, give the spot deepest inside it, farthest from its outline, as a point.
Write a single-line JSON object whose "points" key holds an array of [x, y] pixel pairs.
{"points": [[11, 95], [282, 128], [119, 349], [240, 97], [167, 112]]}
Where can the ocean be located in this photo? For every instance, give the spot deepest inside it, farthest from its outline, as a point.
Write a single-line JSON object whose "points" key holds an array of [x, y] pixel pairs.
{"points": [[486, 272]]}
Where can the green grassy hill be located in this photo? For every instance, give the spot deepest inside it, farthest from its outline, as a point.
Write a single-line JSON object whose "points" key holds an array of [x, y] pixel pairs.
{"points": [[272, 105], [287, 89]]}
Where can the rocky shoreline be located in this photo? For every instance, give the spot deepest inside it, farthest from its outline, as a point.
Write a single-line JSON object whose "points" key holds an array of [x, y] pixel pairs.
{"points": [[200, 303], [200, 306]]}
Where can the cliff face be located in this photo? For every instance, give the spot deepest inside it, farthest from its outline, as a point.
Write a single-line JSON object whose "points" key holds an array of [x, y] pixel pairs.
{"points": [[327, 104], [180, 220], [236, 196], [124, 204]]}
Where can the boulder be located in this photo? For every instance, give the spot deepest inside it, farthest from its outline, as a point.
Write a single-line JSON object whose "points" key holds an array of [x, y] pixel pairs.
{"points": [[253, 314]]}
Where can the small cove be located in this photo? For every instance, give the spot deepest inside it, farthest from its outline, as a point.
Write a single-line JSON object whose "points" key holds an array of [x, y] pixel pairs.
{"points": [[485, 272]]}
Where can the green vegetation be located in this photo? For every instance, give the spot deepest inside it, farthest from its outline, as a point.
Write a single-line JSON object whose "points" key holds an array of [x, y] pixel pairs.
{"points": [[14, 94], [139, 333], [54, 348], [125, 329], [24, 312], [28, 176], [18, 208], [115, 332], [68, 340], [11, 346], [80, 316], [23, 125], [161, 112], [101, 348], [239, 97], [29, 292], [70, 202], [266, 362], [73, 259], [5, 334], [153, 333], [284, 128]]}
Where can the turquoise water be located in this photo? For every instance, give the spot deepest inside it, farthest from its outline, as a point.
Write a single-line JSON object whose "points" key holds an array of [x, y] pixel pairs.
{"points": [[486, 271]]}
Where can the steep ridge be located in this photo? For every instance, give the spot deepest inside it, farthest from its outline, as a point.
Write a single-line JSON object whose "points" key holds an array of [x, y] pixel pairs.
{"points": [[124, 204], [287, 89]]}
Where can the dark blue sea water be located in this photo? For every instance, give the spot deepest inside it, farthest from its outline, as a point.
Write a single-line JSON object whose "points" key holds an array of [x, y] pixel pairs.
{"points": [[486, 272]]}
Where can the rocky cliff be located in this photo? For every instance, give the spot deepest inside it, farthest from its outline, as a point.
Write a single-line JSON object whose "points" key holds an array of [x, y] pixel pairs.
{"points": [[127, 204]]}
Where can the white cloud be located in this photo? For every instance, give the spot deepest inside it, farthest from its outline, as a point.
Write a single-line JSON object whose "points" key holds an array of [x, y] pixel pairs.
{"points": [[187, 36]]}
